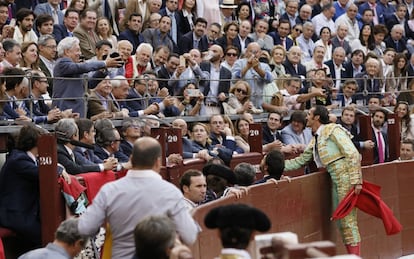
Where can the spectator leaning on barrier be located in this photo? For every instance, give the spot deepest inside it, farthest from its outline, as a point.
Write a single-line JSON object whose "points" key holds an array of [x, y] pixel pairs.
{"points": [[193, 185]]}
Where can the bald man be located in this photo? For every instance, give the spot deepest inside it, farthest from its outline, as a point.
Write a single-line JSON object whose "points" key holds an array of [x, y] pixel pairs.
{"points": [[127, 201]]}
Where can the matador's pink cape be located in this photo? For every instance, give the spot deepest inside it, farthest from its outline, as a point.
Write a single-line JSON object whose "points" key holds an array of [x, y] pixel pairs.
{"points": [[369, 200]]}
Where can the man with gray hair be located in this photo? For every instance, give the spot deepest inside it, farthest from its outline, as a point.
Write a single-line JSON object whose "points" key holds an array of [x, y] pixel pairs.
{"points": [[305, 42], [67, 244], [349, 21], [67, 132], [245, 174], [396, 39], [68, 66], [141, 61], [47, 57]]}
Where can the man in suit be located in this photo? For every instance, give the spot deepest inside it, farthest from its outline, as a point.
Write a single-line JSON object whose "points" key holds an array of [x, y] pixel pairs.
{"points": [[410, 69], [281, 36], [379, 117], [377, 11], [70, 22], [346, 97], [160, 36], [195, 39], [171, 11], [131, 131], [41, 112], [67, 130], [137, 102], [52, 8], [68, 66], [260, 35], [19, 189], [243, 39], [368, 82], [108, 145], [168, 70], [86, 156], [396, 39], [133, 31], [335, 65], [217, 89], [47, 58], [332, 148], [292, 63], [292, 7], [340, 39], [256, 73], [222, 137], [100, 103], [305, 14], [86, 34], [355, 65]]}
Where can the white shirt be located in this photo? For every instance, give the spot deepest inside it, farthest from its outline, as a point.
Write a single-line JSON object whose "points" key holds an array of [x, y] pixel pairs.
{"points": [[353, 27], [320, 21]]}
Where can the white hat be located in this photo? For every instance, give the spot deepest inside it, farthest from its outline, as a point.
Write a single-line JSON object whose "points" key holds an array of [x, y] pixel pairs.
{"points": [[228, 4]]}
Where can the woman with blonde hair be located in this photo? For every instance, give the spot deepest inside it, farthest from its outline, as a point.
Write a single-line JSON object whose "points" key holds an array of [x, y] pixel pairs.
{"points": [[201, 142], [30, 56], [242, 134], [104, 31], [239, 99]]}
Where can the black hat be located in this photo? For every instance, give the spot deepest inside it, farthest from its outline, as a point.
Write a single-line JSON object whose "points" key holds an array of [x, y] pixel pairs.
{"points": [[97, 77], [237, 215], [220, 170]]}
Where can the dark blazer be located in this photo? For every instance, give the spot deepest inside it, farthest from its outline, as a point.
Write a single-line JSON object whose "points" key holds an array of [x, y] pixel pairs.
{"points": [[187, 148], [187, 43], [90, 159], [390, 20], [349, 71], [227, 143], [60, 32], [225, 76], [336, 43], [74, 167], [290, 69], [135, 105], [375, 150], [379, 10], [163, 12], [268, 136], [132, 37], [237, 43], [9, 111], [39, 110], [278, 41], [45, 8], [73, 88], [100, 152], [222, 41], [331, 66], [390, 43], [410, 71], [47, 73], [185, 25], [126, 147], [19, 197], [373, 87], [164, 74], [354, 132]]}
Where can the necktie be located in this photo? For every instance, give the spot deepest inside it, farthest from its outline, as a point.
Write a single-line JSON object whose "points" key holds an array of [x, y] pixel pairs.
{"points": [[10, 11], [341, 42], [195, 44], [396, 46], [380, 148], [55, 16], [107, 11], [284, 42], [296, 68], [86, 154], [173, 27], [92, 36]]}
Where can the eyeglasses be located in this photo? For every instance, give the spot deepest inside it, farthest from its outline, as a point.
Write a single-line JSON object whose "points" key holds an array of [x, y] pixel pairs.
{"points": [[298, 30], [117, 140], [214, 32], [51, 46], [231, 54], [241, 91]]}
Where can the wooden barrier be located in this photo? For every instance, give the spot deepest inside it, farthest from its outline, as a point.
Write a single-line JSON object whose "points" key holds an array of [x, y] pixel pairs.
{"points": [[394, 136], [52, 210], [303, 206], [366, 134]]}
